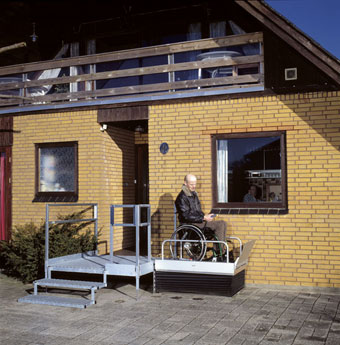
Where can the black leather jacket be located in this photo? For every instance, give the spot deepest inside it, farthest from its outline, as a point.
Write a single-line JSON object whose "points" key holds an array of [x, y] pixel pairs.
{"points": [[188, 207]]}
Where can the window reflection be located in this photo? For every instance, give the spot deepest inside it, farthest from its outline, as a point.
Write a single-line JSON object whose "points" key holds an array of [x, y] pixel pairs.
{"points": [[57, 169], [249, 170]]}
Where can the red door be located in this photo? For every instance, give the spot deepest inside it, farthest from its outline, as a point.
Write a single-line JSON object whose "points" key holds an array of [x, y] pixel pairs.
{"points": [[5, 193]]}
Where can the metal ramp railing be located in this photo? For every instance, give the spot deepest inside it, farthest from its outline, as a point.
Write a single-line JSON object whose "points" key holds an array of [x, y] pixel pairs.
{"points": [[48, 282], [137, 224]]}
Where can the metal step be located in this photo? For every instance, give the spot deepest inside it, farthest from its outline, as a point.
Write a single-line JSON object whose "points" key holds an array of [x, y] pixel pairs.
{"points": [[71, 284], [56, 301]]}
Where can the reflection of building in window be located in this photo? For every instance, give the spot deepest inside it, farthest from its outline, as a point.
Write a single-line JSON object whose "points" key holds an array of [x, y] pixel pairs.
{"points": [[57, 169], [249, 160], [48, 174]]}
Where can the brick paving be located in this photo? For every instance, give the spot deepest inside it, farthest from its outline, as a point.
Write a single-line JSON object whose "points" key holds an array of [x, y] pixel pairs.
{"points": [[264, 315]]}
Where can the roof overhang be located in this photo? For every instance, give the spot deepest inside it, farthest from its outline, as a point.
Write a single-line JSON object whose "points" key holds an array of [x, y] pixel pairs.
{"points": [[302, 43]]}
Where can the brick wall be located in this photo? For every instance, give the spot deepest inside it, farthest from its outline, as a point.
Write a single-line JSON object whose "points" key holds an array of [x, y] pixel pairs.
{"points": [[106, 163], [299, 248]]}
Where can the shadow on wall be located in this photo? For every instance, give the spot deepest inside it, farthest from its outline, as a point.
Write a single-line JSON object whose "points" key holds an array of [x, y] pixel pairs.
{"points": [[322, 117], [124, 141], [162, 220]]}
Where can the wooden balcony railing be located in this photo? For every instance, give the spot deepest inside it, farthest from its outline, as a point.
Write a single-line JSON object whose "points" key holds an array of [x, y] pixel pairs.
{"points": [[180, 68]]}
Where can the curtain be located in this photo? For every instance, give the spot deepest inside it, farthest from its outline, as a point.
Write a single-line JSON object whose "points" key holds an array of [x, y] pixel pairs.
{"points": [[222, 170], [194, 33], [248, 49], [217, 29], [2, 197]]}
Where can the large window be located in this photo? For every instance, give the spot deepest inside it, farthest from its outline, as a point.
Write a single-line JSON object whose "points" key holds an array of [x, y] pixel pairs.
{"points": [[57, 172], [249, 171]]}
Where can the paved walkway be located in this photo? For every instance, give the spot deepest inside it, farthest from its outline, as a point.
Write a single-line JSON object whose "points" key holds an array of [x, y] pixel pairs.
{"points": [[256, 315]]}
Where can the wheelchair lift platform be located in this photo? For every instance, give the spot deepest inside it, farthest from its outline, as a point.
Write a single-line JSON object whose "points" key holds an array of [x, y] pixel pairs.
{"points": [[225, 278]]}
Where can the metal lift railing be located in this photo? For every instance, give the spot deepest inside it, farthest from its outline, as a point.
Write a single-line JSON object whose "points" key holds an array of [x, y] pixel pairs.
{"points": [[137, 224], [50, 222]]}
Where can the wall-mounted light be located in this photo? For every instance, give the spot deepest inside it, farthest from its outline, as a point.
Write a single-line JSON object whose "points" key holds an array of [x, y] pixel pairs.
{"points": [[34, 36], [103, 127], [139, 129]]}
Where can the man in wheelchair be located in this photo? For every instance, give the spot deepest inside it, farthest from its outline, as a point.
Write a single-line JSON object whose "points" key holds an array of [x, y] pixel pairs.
{"points": [[195, 225]]}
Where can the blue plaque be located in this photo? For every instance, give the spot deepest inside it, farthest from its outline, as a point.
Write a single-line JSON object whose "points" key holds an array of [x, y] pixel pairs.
{"points": [[164, 148]]}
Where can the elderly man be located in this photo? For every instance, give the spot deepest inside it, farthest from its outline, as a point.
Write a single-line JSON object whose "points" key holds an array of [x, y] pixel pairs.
{"points": [[189, 209]]}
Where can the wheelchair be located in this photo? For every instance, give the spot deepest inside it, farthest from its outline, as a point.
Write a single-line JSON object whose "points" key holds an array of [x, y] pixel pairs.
{"points": [[189, 242]]}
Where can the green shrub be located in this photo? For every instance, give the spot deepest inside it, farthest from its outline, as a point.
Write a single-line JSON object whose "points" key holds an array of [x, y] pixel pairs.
{"points": [[24, 256]]}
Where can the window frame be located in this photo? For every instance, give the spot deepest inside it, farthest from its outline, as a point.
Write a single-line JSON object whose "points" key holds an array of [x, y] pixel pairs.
{"points": [[240, 207], [62, 196]]}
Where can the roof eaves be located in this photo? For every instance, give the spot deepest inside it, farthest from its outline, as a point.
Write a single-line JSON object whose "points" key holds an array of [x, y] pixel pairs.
{"points": [[305, 45]]}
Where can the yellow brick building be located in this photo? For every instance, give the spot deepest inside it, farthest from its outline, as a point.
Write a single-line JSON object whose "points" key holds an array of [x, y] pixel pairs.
{"points": [[213, 81], [297, 248], [300, 247], [100, 163]]}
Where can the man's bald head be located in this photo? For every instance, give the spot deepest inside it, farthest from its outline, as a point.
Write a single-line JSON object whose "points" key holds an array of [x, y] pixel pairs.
{"points": [[190, 181]]}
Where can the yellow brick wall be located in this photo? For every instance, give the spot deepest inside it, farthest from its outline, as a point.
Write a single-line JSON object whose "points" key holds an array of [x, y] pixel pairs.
{"points": [[106, 163], [299, 248], [141, 138]]}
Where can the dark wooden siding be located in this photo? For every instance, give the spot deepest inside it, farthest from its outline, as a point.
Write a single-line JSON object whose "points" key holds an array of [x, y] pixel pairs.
{"points": [[278, 55], [6, 130]]}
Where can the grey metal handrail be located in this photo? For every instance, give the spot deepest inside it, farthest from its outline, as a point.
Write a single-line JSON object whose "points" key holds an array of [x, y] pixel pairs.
{"points": [[203, 241], [137, 224], [48, 222]]}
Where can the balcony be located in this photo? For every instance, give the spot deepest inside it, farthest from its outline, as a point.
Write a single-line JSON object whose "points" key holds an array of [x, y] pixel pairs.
{"points": [[206, 67]]}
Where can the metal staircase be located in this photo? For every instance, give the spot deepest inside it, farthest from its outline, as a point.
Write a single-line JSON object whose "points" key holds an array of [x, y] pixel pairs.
{"points": [[37, 298], [48, 282], [90, 262]]}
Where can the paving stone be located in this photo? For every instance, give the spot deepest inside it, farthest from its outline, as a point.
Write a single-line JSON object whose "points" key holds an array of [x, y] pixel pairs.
{"points": [[256, 315]]}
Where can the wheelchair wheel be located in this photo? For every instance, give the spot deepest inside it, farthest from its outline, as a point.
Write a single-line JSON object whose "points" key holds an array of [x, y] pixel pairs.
{"points": [[213, 251], [188, 250]]}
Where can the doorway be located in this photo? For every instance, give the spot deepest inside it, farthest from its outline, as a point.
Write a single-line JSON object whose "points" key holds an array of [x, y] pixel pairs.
{"points": [[142, 189], [5, 193], [142, 174]]}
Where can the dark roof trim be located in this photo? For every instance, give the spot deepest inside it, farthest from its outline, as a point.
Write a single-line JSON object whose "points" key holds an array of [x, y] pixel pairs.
{"points": [[123, 114], [305, 45]]}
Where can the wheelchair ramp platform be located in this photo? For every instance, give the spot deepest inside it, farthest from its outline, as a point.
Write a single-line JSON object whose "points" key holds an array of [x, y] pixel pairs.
{"points": [[223, 278], [90, 263], [128, 263], [119, 265]]}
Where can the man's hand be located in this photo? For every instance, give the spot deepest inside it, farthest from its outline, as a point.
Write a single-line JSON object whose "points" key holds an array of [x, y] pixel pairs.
{"points": [[209, 217]]}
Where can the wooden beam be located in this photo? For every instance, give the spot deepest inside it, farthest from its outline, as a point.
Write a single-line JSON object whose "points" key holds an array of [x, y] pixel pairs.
{"points": [[13, 46], [193, 92], [10, 101], [151, 88], [193, 65], [123, 114], [165, 49], [287, 37]]}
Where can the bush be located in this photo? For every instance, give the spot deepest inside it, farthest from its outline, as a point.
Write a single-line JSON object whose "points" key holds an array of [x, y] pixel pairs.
{"points": [[24, 256]]}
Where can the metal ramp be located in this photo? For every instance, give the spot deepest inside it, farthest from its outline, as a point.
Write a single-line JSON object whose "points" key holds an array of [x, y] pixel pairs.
{"points": [[92, 263]]}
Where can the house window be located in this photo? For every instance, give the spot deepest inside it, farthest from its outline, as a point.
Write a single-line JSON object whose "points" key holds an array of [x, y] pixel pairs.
{"points": [[249, 172], [56, 172]]}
